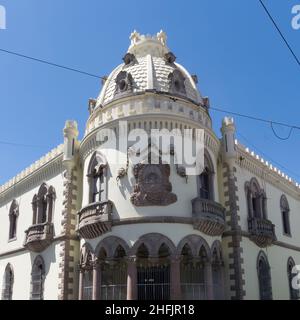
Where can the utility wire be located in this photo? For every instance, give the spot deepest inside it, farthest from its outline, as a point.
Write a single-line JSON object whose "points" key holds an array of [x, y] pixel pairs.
{"points": [[266, 155], [271, 122], [15, 144], [51, 64], [280, 33]]}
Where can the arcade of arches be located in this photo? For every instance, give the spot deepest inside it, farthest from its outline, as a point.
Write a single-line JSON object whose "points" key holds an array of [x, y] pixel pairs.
{"points": [[152, 269]]}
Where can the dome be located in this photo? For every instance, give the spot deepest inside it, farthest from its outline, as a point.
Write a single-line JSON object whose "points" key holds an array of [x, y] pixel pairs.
{"points": [[149, 66]]}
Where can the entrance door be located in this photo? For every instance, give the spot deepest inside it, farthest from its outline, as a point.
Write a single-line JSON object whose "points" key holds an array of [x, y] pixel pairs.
{"points": [[153, 282]]}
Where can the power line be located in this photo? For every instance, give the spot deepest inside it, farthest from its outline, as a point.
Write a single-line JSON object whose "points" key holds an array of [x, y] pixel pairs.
{"points": [[51, 64], [271, 122], [280, 33], [15, 144], [266, 155]]}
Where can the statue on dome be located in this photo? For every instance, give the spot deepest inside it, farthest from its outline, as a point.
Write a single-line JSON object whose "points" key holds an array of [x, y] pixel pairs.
{"points": [[162, 37], [134, 37]]}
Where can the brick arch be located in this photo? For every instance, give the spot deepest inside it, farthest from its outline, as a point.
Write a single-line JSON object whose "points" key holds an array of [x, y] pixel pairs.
{"points": [[110, 244], [153, 242], [195, 242]]}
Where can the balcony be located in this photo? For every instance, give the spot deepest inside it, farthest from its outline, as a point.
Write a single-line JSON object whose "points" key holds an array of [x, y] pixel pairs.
{"points": [[262, 231], [208, 216], [95, 219], [39, 236]]}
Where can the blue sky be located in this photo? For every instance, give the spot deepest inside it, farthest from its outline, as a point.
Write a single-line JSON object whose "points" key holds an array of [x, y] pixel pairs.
{"points": [[241, 63]]}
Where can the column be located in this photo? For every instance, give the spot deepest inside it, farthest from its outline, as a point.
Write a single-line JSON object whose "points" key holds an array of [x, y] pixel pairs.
{"points": [[209, 281], [80, 285], [175, 278], [131, 279], [96, 280]]}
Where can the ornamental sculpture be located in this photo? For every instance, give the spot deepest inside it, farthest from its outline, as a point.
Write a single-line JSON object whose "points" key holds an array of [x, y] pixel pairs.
{"points": [[153, 187]]}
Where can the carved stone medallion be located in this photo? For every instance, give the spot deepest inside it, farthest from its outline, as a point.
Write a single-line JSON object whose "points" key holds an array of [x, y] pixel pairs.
{"points": [[152, 186]]}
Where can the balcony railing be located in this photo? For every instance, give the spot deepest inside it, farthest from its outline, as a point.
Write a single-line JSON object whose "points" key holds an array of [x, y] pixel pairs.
{"points": [[95, 219], [262, 231], [39, 236], [208, 216]]}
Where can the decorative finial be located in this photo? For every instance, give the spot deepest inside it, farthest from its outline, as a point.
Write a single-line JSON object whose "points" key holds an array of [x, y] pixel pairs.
{"points": [[134, 37], [162, 37]]}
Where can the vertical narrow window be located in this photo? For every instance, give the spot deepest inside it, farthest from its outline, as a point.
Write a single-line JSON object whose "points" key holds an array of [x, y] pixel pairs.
{"points": [[205, 180], [285, 213], [37, 279], [264, 277], [192, 274], [256, 200], [217, 274], [86, 266], [13, 217], [8, 281], [97, 175], [43, 204], [114, 275]]}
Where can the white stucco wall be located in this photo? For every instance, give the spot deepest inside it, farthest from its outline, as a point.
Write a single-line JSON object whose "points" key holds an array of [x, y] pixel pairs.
{"points": [[22, 261], [277, 255]]}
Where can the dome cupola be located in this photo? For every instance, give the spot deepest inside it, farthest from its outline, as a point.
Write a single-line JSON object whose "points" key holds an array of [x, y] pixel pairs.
{"points": [[149, 65]]}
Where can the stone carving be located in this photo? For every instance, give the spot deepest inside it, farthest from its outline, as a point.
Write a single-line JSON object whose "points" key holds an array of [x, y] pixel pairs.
{"points": [[134, 37], [169, 57], [162, 37], [176, 80], [129, 59], [153, 186], [124, 82]]}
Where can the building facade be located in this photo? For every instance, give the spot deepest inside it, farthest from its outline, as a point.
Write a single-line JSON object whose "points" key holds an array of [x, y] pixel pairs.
{"points": [[78, 225]]}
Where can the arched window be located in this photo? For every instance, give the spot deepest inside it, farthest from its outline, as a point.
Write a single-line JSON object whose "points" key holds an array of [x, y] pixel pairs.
{"points": [[294, 293], [97, 175], [43, 204], [86, 266], [113, 275], [13, 217], [206, 179], [192, 274], [285, 213], [264, 277], [256, 200], [153, 273], [217, 274], [37, 279], [8, 282]]}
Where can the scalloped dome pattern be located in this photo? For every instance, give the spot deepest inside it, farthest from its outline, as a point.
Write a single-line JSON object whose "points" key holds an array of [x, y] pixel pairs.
{"points": [[149, 71]]}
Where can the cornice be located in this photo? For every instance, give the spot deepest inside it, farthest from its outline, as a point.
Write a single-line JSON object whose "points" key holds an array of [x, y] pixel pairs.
{"points": [[89, 143], [43, 169], [258, 166]]}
